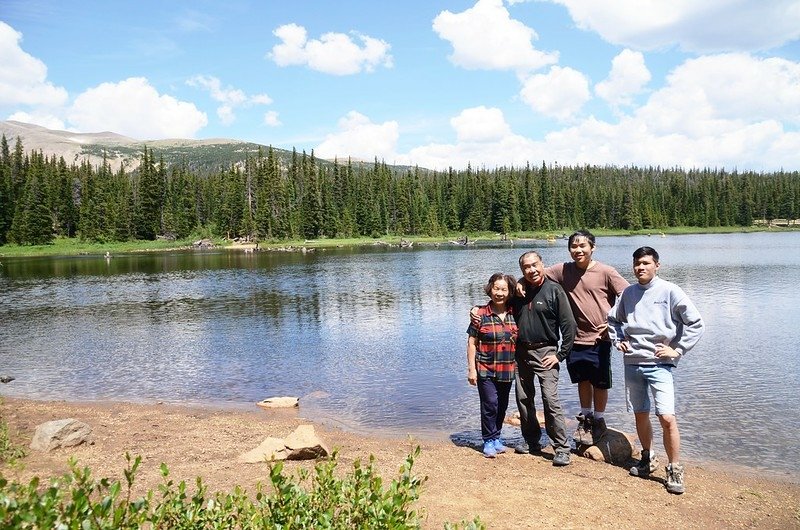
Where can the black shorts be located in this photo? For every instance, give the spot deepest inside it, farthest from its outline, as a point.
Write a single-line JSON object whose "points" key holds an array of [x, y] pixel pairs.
{"points": [[590, 362]]}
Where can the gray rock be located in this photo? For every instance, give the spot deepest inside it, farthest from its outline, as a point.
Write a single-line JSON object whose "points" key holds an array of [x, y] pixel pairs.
{"points": [[279, 402], [513, 419], [302, 444], [61, 433], [615, 447]]}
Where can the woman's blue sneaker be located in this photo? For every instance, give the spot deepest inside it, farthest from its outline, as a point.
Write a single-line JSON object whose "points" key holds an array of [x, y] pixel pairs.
{"points": [[499, 445], [488, 449]]}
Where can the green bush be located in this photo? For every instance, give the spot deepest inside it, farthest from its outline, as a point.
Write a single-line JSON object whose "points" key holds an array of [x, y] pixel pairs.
{"points": [[9, 451], [357, 500]]}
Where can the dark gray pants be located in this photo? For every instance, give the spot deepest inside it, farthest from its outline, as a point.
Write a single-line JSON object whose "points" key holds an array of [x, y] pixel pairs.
{"points": [[529, 367]]}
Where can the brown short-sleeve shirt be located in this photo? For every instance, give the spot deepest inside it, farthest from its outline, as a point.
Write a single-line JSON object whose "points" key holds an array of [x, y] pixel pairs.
{"points": [[592, 293]]}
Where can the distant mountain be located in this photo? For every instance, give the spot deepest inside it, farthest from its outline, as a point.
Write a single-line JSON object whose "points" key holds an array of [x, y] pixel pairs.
{"points": [[200, 156]]}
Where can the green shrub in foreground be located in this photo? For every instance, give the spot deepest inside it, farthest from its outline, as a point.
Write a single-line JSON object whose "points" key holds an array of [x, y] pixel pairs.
{"points": [[357, 500]]}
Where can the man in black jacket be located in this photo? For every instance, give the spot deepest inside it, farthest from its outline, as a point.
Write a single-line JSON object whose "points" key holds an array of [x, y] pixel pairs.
{"points": [[543, 317]]}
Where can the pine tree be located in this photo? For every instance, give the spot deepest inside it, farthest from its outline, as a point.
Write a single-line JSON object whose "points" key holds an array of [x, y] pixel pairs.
{"points": [[631, 219], [32, 224], [6, 203], [147, 223], [89, 207], [311, 210]]}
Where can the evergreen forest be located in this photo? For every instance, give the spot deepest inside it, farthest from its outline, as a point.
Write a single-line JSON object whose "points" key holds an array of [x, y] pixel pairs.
{"points": [[266, 199]]}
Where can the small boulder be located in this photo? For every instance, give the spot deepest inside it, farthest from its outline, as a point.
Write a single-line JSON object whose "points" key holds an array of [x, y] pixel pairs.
{"points": [[61, 433], [513, 419], [279, 402], [304, 444], [615, 447]]}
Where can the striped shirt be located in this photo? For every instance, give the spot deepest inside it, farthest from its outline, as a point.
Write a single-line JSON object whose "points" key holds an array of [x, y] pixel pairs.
{"points": [[494, 355]]}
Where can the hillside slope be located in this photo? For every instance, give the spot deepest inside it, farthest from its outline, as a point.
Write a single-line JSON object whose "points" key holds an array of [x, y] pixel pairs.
{"points": [[199, 155]]}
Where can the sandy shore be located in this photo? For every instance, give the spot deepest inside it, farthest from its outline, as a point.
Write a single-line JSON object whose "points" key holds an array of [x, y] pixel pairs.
{"points": [[511, 491]]}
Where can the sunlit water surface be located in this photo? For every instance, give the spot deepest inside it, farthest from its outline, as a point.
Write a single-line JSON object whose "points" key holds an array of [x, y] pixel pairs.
{"points": [[374, 338]]}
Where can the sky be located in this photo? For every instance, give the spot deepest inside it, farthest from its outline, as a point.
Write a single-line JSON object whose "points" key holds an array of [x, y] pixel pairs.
{"points": [[438, 84]]}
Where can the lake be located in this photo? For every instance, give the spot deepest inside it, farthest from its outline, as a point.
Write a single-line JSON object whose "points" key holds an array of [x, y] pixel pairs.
{"points": [[374, 338]]}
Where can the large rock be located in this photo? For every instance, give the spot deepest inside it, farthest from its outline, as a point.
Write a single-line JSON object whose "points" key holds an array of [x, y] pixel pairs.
{"points": [[61, 433], [615, 447], [302, 444], [279, 402]]}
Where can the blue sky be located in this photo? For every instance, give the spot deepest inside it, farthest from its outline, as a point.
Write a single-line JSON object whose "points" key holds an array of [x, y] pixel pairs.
{"points": [[712, 83]]}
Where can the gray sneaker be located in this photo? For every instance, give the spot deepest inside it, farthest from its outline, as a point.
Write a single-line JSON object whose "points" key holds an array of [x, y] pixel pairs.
{"points": [[525, 448], [583, 433], [647, 465], [675, 479], [561, 458], [598, 429]]}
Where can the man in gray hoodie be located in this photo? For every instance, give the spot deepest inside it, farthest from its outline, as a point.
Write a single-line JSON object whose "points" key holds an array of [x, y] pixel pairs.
{"points": [[654, 324]]}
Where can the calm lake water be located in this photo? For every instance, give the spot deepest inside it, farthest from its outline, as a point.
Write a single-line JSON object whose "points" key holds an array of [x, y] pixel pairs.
{"points": [[374, 338]]}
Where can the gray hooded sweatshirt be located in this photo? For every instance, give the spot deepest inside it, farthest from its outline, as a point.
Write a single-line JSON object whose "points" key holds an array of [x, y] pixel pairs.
{"points": [[656, 313]]}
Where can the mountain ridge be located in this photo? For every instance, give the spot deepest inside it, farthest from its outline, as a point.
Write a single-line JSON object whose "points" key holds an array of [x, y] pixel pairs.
{"points": [[203, 155]]}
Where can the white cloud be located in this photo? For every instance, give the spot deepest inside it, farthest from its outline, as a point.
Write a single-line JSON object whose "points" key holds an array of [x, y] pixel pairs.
{"points": [[134, 108], [359, 138], [714, 93], [193, 21], [332, 53], [715, 111], [41, 119], [560, 93], [23, 78], [226, 115], [271, 119], [229, 97], [501, 147], [480, 124], [699, 26], [486, 37], [627, 78]]}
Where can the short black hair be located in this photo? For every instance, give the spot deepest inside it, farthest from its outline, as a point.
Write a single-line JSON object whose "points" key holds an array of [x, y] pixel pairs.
{"points": [[581, 233], [641, 252], [528, 253], [510, 281]]}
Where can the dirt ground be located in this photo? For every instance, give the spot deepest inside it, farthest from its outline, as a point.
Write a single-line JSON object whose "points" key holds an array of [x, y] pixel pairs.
{"points": [[511, 491]]}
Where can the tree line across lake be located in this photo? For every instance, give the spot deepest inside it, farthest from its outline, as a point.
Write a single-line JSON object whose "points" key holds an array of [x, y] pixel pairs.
{"points": [[42, 197]]}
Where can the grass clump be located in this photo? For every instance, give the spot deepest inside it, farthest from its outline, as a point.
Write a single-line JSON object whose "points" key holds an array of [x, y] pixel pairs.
{"points": [[318, 500], [10, 452]]}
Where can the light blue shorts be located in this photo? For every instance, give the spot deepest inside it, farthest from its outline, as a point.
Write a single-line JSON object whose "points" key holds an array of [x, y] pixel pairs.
{"points": [[641, 381]]}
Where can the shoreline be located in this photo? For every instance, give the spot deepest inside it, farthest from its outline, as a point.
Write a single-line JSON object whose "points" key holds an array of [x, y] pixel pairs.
{"points": [[63, 247], [332, 423], [196, 440]]}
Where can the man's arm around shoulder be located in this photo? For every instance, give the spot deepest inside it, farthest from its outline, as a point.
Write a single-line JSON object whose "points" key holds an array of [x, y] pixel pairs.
{"points": [[566, 323]]}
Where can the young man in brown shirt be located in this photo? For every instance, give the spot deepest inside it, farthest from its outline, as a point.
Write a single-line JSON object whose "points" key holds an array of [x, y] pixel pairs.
{"points": [[592, 288]]}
